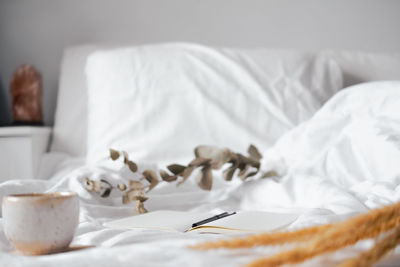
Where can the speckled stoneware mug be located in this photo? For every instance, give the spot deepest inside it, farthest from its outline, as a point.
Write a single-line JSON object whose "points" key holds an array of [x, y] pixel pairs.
{"points": [[37, 224]]}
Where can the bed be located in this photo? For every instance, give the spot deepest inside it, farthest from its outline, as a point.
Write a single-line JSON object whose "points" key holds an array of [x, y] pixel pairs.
{"points": [[334, 152]]}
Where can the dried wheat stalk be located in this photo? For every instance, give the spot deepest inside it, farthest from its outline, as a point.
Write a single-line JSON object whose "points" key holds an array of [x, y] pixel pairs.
{"points": [[317, 240]]}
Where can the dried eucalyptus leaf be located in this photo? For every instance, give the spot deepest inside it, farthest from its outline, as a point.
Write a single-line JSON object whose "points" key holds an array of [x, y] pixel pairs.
{"points": [[171, 178], [126, 157], [125, 199], [234, 158], [114, 154], [243, 170], [133, 195], [218, 156], [223, 156], [97, 186], [151, 177], [269, 174], [256, 165], [187, 172], [254, 153], [228, 173], [139, 206], [106, 192], [166, 177], [142, 198], [176, 168], [206, 178], [185, 175], [205, 151], [246, 160], [122, 187], [152, 185], [132, 166], [136, 195], [135, 185], [164, 174], [199, 161], [106, 182], [250, 174], [89, 185]]}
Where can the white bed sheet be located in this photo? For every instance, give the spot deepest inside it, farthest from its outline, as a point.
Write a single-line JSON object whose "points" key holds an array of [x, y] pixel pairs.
{"points": [[310, 190], [154, 248], [137, 247]]}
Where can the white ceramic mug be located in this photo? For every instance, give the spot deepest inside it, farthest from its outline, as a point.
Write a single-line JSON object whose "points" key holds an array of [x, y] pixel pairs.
{"points": [[37, 224]]}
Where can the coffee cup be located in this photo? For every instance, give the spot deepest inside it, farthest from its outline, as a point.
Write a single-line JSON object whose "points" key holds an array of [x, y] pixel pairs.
{"points": [[43, 223]]}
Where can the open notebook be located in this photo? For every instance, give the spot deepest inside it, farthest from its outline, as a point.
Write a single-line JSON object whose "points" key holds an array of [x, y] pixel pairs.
{"points": [[241, 222]]}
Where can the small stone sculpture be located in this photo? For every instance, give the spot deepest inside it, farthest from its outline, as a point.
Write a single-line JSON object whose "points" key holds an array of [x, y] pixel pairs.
{"points": [[26, 94]]}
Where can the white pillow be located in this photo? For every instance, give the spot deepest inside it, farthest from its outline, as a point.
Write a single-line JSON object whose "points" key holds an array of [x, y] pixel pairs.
{"points": [[353, 138], [160, 101], [69, 133], [360, 67]]}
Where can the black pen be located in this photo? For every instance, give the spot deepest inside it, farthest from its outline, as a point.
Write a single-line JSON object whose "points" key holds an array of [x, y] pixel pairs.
{"points": [[214, 218]]}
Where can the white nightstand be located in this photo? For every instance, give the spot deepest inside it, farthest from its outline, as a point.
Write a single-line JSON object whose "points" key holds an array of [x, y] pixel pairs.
{"points": [[21, 148]]}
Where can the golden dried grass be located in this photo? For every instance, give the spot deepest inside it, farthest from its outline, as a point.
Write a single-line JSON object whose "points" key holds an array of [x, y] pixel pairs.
{"points": [[318, 240]]}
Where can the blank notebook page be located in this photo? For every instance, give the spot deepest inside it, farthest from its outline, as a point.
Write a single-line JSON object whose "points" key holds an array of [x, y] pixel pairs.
{"points": [[254, 221], [166, 220]]}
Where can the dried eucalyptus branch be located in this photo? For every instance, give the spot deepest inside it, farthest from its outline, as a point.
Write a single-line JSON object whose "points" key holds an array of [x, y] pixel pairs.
{"points": [[207, 159], [134, 192]]}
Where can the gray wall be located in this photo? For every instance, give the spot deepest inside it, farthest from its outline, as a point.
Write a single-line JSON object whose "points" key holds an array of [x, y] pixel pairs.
{"points": [[36, 31]]}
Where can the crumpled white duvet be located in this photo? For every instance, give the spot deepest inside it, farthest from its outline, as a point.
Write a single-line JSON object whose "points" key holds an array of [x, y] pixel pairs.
{"points": [[343, 161]]}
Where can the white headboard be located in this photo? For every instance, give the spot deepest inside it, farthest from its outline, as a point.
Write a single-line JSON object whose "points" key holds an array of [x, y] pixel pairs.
{"points": [[36, 32]]}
